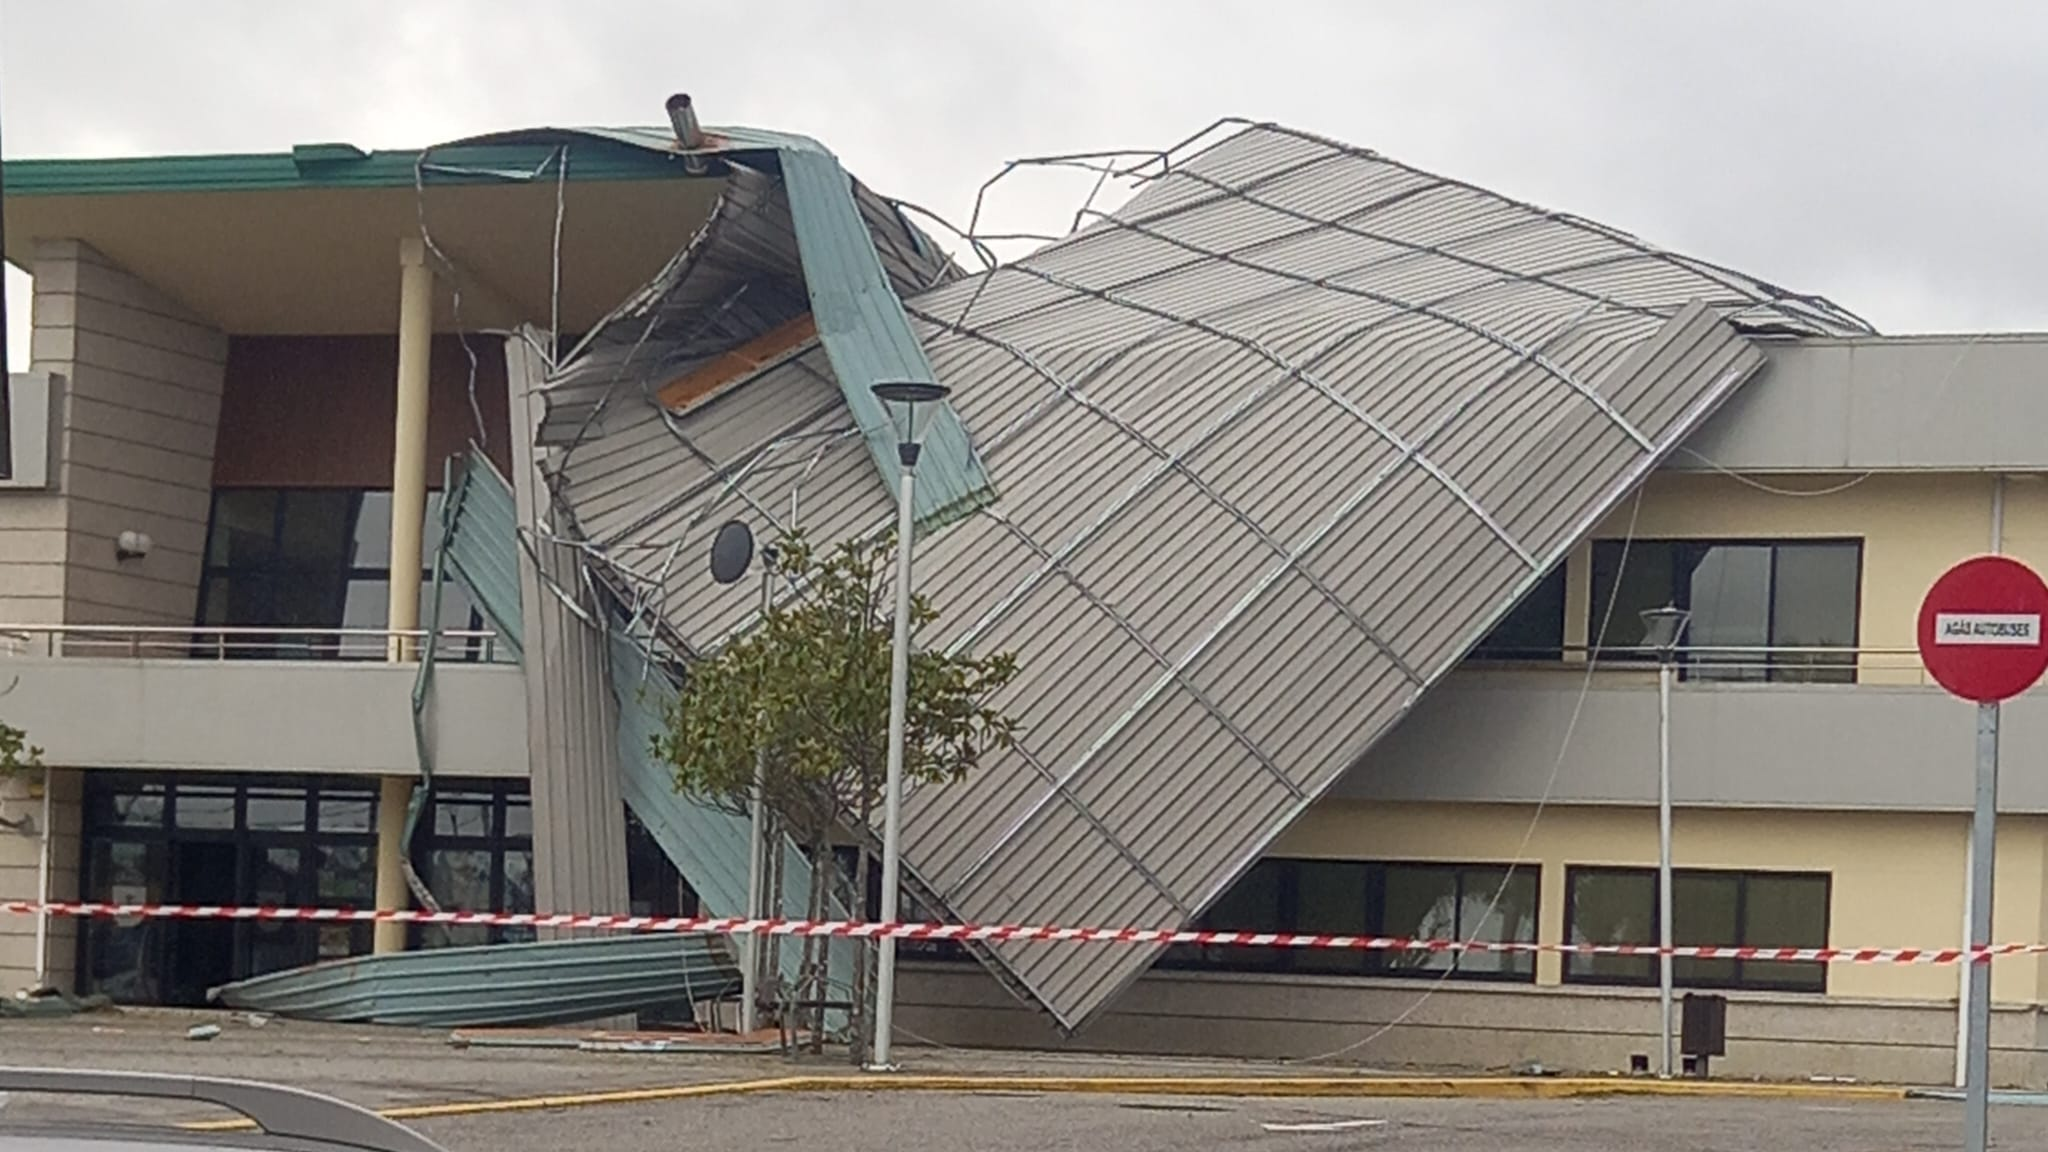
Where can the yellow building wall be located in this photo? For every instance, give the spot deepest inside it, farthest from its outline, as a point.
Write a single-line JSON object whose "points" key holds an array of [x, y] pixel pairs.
{"points": [[1897, 877]]}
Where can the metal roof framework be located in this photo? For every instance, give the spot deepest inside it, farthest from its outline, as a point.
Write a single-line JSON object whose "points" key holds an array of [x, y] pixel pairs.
{"points": [[1279, 441]]}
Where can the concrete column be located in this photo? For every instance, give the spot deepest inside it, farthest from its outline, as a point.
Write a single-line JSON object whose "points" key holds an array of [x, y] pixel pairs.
{"points": [[409, 447], [393, 794], [408, 522]]}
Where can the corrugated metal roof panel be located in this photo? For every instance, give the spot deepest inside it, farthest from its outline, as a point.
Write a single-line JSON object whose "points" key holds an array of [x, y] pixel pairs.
{"points": [[791, 233], [1279, 441]]}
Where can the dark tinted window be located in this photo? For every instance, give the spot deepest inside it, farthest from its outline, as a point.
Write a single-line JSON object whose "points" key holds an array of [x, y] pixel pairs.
{"points": [[1486, 903], [1760, 610], [1534, 628], [1722, 908]]}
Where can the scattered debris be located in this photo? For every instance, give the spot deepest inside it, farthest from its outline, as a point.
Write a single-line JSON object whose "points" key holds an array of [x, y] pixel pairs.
{"points": [[202, 1032], [637, 1042], [1324, 1126], [45, 1002]]}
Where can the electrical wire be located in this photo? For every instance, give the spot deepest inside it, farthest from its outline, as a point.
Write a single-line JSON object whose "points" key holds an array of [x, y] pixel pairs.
{"points": [[1941, 389], [1535, 818]]}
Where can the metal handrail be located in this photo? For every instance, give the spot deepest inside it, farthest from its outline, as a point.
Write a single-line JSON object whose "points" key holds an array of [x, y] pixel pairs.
{"points": [[1636, 653], [1727, 663], [226, 642]]}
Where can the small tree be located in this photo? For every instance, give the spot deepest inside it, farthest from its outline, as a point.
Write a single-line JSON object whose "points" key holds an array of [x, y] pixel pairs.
{"points": [[17, 756], [806, 695], [16, 753]]}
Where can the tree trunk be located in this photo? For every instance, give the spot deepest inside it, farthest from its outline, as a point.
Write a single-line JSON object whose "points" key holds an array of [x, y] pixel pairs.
{"points": [[768, 957], [813, 983]]}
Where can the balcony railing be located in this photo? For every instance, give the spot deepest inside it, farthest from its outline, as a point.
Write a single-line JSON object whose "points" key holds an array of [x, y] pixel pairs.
{"points": [[159, 642], [1715, 665]]}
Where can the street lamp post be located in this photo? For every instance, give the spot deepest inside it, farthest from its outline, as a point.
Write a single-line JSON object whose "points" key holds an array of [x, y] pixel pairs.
{"points": [[1662, 630], [753, 948], [906, 396]]}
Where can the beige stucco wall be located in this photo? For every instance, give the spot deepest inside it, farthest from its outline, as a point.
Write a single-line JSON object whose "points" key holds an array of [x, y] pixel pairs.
{"points": [[1896, 883], [141, 401], [20, 852], [1328, 1022]]}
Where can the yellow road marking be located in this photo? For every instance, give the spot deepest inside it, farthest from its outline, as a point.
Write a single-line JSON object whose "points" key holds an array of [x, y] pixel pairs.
{"points": [[1361, 1087]]}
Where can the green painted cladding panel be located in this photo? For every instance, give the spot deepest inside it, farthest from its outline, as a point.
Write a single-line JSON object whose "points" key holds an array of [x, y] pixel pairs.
{"points": [[480, 538], [867, 336], [706, 844]]}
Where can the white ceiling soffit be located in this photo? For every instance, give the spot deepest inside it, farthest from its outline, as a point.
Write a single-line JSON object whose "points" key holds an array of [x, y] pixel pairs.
{"points": [[1277, 443]]}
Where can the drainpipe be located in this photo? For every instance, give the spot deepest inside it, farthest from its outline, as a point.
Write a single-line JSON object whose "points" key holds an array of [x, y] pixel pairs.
{"points": [[1969, 843], [408, 523]]}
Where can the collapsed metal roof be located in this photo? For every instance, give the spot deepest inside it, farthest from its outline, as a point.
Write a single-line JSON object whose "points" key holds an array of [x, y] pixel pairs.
{"points": [[1278, 441]]}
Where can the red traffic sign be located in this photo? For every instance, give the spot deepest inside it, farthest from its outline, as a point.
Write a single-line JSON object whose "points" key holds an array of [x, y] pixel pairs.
{"points": [[1980, 629]]}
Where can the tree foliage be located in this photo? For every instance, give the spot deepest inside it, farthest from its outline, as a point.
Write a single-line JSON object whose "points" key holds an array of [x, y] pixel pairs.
{"points": [[16, 753], [808, 691], [805, 695]]}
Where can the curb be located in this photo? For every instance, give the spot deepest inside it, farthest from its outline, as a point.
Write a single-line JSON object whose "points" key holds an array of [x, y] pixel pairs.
{"points": [[1357, 1087], [1351, 1087]]}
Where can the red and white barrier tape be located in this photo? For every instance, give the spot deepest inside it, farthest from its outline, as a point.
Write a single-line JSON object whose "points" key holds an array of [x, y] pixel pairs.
{"points": [[998, 933]]}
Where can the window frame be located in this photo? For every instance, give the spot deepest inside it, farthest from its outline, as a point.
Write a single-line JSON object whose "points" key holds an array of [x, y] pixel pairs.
{"points": [[1776, 670], [276, 570], [1250, 960], [102, 790], [498, 842], [1740, 982]]}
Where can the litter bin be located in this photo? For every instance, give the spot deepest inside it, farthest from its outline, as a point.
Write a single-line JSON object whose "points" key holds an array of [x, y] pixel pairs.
{"points": [[1703, 1030]]}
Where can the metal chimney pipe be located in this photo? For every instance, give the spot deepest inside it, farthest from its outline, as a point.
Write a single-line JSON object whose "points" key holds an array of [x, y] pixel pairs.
{"points": [[682, 117]]}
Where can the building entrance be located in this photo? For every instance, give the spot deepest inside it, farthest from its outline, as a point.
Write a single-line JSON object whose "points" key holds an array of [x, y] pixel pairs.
{"points": [[201, 952], [276, 841]]}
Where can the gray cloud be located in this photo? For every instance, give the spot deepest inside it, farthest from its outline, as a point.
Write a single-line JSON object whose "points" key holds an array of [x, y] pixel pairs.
{"points": [[1889, 155]]}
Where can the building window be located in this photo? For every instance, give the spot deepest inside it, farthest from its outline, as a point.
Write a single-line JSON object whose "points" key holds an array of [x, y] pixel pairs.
{"points": [[1760, 610], [1720, 908], [474, 850], [315, 559], [1533, 629], [197, 839], [654, 887], [1487, 903]]}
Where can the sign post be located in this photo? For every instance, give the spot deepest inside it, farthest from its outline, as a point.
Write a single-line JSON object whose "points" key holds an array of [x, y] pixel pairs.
{"points": [[1980, 635]]}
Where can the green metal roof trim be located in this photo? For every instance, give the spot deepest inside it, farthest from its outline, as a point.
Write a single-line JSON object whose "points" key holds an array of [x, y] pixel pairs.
{"points": [[868, 338], [861, 321], [317, 166]]}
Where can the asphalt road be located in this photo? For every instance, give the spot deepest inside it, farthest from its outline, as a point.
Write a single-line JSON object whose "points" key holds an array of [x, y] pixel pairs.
{"points": [[382, 1068], [1031, 1123]]}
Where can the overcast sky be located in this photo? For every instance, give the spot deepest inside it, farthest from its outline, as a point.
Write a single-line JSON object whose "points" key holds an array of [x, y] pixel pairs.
{"points": [[1892, 156]]}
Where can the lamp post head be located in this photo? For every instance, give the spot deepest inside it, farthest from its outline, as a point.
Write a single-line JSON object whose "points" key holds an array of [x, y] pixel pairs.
{"points": [[1662, 628], [912, 402]]}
